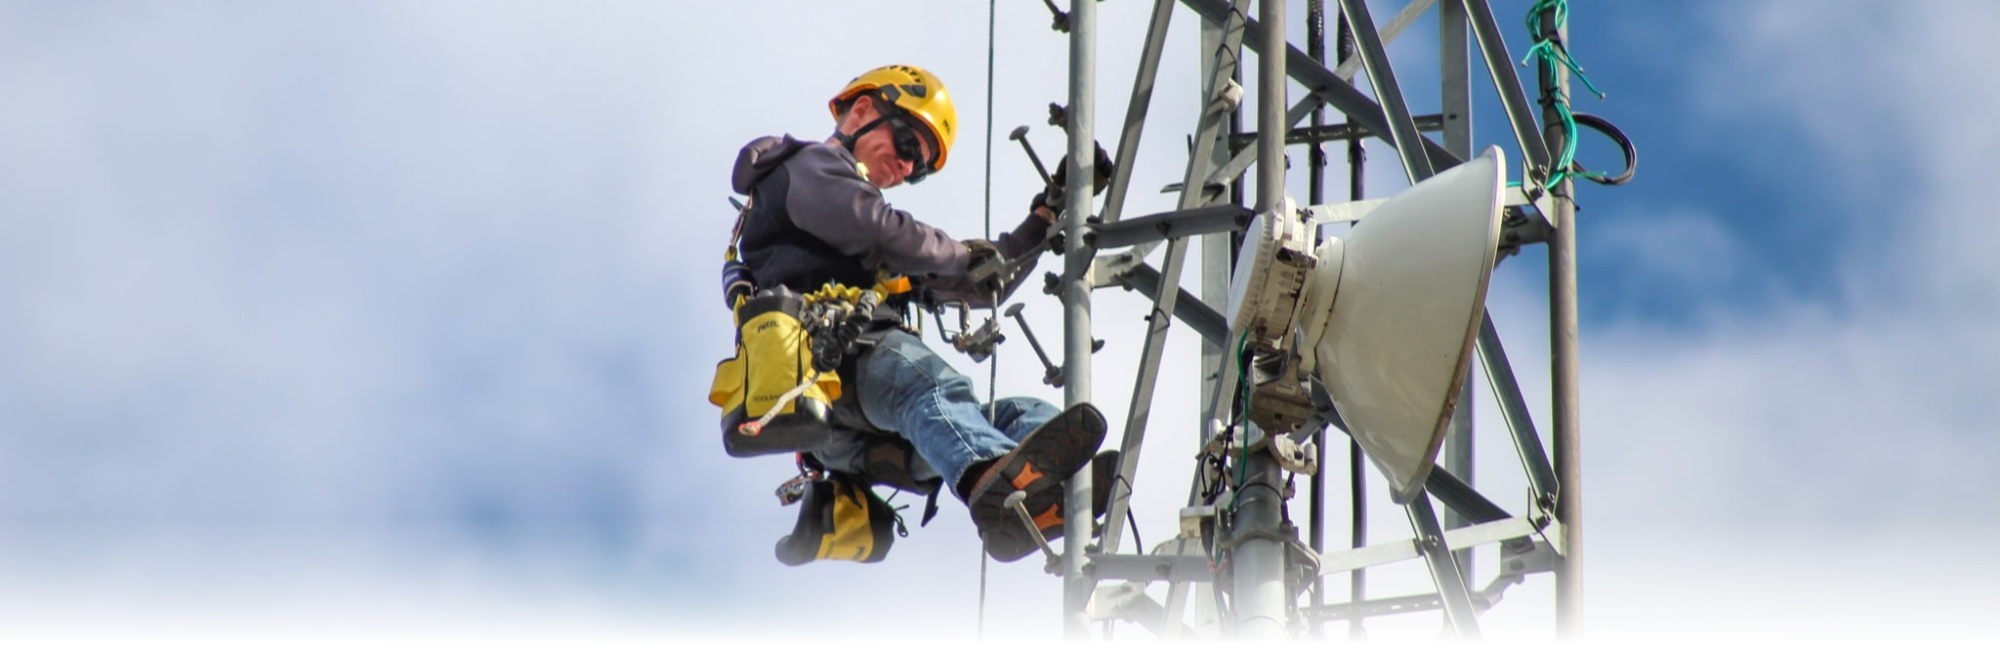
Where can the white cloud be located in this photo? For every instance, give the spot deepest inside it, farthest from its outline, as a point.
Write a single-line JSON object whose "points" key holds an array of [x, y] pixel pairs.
{"points": [[1735, 465], [1682, 248], [301, 270]]}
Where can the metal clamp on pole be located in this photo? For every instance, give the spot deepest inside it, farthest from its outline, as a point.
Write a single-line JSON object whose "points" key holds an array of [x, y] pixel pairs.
{"points": [[1020, 135], [1052, 374], [1061, 23]]}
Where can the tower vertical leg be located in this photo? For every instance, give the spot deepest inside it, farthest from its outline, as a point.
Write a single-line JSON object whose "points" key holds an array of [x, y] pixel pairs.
{"points": [[1077, 584], [1564, 374], [1259, 560]]}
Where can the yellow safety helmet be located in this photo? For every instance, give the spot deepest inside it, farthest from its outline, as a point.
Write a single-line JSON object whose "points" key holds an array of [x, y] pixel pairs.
{"points": [[917, 92]]}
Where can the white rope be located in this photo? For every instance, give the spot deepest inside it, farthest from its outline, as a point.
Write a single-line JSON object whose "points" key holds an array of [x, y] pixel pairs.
{"points": [[784, 400]]}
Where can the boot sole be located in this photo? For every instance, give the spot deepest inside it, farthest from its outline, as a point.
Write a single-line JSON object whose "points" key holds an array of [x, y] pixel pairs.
{"points": [[1038, 466]]}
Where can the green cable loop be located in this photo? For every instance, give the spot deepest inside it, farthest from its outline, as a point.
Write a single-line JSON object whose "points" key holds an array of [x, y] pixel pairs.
{"points": [[1551, 52]]}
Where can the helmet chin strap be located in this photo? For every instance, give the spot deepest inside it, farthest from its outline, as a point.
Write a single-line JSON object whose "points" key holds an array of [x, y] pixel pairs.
{"points": [[847, 140]]}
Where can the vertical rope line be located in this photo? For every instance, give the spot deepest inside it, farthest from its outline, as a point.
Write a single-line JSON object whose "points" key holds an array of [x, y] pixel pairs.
{"points": [[993, 311], [993, 368]]}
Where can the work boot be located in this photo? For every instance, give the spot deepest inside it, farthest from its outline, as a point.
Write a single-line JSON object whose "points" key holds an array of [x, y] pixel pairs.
{"points": [[1037, 466], [1103, 469]]}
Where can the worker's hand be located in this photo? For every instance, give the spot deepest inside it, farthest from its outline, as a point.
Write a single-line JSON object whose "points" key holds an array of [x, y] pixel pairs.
{"points": [[1045, 208], [985, 266], [1049, 202]]}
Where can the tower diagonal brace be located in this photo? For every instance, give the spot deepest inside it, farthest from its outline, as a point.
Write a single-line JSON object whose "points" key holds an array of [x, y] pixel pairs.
{"points": [[1323, 82], [1458, 610], [1408, 141], [1514, 411], [1167, 291]]}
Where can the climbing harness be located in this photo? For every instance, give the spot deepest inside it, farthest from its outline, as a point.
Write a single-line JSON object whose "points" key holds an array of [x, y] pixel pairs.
{"points": [[776, 392], [777, 395]]}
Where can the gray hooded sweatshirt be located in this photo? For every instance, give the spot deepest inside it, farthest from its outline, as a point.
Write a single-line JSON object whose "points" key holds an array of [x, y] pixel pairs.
{"points": [[847, 225]]}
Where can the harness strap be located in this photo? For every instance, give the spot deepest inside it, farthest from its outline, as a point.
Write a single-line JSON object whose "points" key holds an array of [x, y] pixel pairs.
{"points": [[930, 506], [743, 210], [736, 233]]}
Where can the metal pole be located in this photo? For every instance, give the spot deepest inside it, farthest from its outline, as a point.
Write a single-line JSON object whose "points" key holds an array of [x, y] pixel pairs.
{"points": [[1259, 559], [1563, 353], [1357, 485], [1316, 195], [1136, 110], [1077, 584], [1455, 59], [1500, 66], [1344, 97], [1410, 143], [1166, 300], [1223, 49]]}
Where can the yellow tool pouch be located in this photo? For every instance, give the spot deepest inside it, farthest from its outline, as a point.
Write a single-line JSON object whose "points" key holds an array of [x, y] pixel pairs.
{"points": [[841, 519], [772, 399]]}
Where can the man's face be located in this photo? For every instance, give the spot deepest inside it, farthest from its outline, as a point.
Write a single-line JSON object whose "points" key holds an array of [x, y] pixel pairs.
{"points": [[878, 148]]}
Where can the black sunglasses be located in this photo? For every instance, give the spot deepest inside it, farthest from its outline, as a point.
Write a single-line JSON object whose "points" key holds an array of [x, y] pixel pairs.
{"points": [[909, 142]]}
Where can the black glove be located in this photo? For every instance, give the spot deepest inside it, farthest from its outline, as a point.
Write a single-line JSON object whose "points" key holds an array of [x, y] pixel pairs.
{"points": [[1052, 197], [985, 266]]}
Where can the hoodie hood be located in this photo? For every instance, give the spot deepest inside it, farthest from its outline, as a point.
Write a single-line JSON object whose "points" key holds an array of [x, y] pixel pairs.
{"points": [[760, 157]]}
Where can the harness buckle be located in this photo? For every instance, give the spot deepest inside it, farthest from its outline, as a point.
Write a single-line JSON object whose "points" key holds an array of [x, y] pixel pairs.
{"points": [[792, 491]]}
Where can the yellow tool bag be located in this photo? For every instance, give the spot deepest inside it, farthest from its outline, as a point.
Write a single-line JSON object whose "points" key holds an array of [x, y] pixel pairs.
{"points": [[841, 519], [772, 398], [776, 391]]}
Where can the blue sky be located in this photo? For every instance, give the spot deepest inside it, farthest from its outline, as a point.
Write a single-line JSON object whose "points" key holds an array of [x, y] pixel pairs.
{"points": [[331, 319]]}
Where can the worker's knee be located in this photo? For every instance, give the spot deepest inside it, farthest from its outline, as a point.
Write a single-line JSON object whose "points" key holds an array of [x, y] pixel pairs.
{"points": [[1017, 415], [902, 361]]}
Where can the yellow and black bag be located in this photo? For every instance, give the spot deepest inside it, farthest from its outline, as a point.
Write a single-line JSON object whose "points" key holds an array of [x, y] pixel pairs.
{"points": [[841, 519], [772, 399]]}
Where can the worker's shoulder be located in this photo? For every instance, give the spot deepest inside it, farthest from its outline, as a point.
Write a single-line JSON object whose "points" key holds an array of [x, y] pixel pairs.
{"points": [[765, 154], [822, 165], [773, 149], [818, 153]]}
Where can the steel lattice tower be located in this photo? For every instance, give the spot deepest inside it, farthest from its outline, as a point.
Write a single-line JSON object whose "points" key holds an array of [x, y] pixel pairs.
{"points": [[1268, 566]]}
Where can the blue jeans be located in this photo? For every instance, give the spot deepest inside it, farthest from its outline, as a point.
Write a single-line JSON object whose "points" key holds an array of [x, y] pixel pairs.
{"points": [[906, 389]]}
